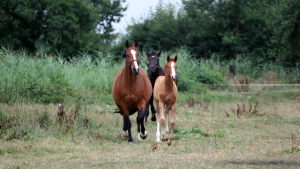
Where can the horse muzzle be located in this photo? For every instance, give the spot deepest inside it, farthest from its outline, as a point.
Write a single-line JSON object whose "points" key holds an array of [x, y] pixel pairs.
{"points": [[135, 71], [173, 78]]}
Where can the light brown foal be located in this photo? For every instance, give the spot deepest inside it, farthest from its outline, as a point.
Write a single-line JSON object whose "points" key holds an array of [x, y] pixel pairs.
{"points": [[165, 94]]}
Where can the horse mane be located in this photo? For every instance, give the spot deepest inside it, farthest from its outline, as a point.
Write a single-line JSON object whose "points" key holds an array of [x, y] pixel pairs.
{"points": [[123, 54]]}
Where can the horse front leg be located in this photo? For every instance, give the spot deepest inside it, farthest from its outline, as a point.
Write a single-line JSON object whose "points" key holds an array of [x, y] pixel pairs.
{"points": [[140, 118], [127, 123], [166, 131], [172, 123], [156, 106]]}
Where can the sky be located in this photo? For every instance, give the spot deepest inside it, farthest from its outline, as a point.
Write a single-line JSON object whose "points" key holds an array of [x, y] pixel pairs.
{"points": [[136, 9]]}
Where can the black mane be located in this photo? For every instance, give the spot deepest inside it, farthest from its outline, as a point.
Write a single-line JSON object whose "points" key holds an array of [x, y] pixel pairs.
{"points": [[123, 54]]}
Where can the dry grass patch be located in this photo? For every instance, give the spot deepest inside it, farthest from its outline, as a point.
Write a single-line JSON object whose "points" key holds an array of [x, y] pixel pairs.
{"points": [[204, 136]]}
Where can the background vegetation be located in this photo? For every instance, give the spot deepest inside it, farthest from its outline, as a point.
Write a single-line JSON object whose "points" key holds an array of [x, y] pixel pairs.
{"points": [[58, 59]]}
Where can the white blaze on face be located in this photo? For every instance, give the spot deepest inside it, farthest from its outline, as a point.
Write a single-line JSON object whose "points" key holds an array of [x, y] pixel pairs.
{"points": [[173, 73], [134, 58]]}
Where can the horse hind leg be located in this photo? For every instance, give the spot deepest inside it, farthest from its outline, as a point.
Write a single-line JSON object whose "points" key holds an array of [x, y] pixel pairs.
{"points": [[138, 128], [153, 111], [172, 123], [146, 112]]}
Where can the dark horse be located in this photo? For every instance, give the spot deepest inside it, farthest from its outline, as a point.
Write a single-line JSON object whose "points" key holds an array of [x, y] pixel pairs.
{"points": [[154, 70], [131, 91]]}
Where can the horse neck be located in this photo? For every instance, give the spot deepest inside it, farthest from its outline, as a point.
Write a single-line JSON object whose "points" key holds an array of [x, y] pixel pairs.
{"points": [[129, 76], [168, 83]]}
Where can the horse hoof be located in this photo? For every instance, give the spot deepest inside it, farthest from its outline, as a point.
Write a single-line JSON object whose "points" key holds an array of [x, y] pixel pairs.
{"points": [[153, 118], [169, 143], [144, 136], [157, 143], [130, 142], [125, 133], [164, 140]]}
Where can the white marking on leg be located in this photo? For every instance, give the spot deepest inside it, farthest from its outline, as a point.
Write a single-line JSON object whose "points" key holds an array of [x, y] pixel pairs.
{"points": [[134, 58], [139, 136], [143, 135], [157, 133], [125, 133]]}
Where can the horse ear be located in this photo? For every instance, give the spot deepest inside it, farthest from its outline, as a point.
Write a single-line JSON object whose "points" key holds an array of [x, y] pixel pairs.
{"points": [[158, 55], [175, 58], [148, 54], [136, 44], [127, 44], [168, 58]]}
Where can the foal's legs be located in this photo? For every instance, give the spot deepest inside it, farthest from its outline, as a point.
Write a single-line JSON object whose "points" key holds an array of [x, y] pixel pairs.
{"points": [[166, 131], [172, 122], [156, 106]]}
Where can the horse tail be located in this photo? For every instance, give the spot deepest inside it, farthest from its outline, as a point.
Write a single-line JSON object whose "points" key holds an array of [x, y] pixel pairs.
{"points": [[131, 111]]}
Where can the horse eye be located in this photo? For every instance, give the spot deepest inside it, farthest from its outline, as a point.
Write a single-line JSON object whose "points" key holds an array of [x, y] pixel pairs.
{"points": [[127, 55]]}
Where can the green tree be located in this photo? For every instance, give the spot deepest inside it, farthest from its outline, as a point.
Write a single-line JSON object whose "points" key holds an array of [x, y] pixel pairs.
{"points": [[64, 25], [285, 20], [21, 23], [161, 30]]}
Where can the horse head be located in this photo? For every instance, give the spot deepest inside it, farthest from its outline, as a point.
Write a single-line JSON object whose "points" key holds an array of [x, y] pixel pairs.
{"points": [[153, 61], [170, 67], [131, 55]]}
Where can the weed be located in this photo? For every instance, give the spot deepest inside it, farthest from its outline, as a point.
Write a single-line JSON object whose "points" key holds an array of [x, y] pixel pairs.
{"points": [[241, 110], [44, 120], [191, 102], [9, 126], [67, 120], [98, 133], [294, 143], [16, 135], [204, 105]]}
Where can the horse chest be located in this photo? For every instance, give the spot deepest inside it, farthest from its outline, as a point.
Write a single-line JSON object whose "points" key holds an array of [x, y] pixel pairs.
{"points": [[168, 99], [130, 99]]}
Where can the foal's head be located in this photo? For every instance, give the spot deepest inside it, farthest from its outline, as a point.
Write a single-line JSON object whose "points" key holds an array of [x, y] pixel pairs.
{"points": [[131, 55], [153, 61], [170, 67]]}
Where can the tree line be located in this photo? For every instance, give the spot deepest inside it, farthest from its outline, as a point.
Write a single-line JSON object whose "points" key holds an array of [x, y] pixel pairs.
{"points": [[66, 26], [262, 30]]}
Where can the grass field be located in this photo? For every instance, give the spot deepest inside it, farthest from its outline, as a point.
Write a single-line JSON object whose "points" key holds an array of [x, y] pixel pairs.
{"points": [[207, 135], [215, 126]]}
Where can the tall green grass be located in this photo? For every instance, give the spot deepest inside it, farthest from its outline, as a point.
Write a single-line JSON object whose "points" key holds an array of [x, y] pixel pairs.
{"points": [[52, 79]]}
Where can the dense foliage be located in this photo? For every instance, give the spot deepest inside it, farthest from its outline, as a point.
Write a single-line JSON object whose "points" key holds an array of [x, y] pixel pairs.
{"points": [[262, 30], [66, 26]]}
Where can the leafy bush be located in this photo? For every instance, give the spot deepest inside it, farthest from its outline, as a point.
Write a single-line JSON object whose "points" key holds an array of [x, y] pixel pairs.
{"points": [[211, 78]]}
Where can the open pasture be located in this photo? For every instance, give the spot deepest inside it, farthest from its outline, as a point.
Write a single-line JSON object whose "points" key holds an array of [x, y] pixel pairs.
{"points": [[207, 135]]}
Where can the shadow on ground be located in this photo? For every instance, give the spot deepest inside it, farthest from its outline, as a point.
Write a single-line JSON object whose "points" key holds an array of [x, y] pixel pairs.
{"points": [[262, 163]]}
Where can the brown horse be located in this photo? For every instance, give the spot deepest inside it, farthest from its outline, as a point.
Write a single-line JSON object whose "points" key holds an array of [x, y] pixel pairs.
{"points": [[131, 91], [165, 94]]}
